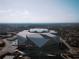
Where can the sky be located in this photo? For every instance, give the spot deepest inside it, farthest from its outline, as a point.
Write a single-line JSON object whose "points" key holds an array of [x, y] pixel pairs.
{"points": [[39, 11]]}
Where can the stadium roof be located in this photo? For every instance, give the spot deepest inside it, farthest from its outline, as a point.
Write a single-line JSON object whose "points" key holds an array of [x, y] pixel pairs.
{"points": [[37, 38]]}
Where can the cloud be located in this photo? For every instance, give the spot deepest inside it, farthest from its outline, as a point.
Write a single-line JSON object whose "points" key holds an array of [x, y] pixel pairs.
{"points": [[14, 13]]}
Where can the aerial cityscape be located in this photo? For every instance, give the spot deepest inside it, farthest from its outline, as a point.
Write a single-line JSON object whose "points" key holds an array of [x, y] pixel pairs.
{"points": [[57, 40], [39, 29]]}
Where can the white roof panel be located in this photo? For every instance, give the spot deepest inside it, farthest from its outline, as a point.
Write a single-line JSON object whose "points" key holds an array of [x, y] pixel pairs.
{"points": [[23, 33], [54, 37], [49, 34]]}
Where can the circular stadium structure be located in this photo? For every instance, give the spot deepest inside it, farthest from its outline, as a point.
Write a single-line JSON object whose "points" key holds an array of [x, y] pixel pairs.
{"points": [[36, 42]]}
